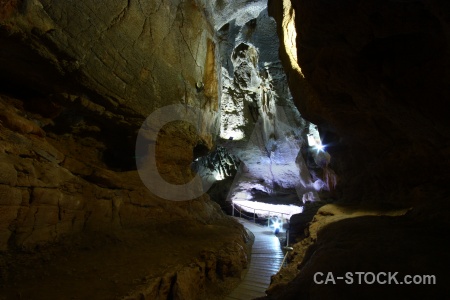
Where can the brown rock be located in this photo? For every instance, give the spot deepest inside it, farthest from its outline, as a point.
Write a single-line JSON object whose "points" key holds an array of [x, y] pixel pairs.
{"points": [[100, 216], [8, 7], [77, 167], [157, 288], [18, 123], [26, 173], [210, 265], [231, 265], [51, 175], [7, 215], [10, 195], [45, 196], [142, 68], [190, 282], [70, 221], [8, 174], [72, 202], [136, 215], [39, 226]]}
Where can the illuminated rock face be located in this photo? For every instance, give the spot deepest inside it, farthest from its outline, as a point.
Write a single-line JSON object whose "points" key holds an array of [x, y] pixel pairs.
{"points": [[136, 57], [259, 122], [96, 76]]}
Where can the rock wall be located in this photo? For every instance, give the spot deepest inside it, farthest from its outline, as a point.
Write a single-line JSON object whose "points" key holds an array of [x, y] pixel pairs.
{"points": [[344, 240], [374, 77], [77, 79], [191, 281], [259, 122], [56, 185], [134, 56]]}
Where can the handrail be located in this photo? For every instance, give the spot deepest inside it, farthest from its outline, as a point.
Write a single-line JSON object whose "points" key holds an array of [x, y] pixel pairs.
{"points": [[254, 212], [260, 209], [287, 248]]}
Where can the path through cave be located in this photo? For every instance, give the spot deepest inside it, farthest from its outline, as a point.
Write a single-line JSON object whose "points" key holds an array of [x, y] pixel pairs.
{"points": [[260, 127], [79, 78]]}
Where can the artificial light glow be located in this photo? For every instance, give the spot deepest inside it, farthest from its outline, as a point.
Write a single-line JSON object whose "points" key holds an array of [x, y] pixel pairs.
{"points": [[276, 225], [320, 147], [315, 142], [232, 135], [314, 139], [241, 196], [311, 140], [232, 118], [281, 211], [219, 176]]}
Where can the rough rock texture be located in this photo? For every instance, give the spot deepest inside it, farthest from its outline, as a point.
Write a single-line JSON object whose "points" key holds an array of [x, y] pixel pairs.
{"points": [[56, 185], [188, 260], [77, 80], [238, 11], [353, 239], [259, 123], [323, 216], [373, 75], [190, 281], [82, 83], [217, 170], [133, 58]]}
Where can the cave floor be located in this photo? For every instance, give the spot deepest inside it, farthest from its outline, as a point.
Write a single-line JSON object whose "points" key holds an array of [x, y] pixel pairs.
{"points": [[98, 266]]}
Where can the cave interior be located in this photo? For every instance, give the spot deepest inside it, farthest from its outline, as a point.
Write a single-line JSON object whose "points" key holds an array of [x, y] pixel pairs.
{"points": [[131, 132]]}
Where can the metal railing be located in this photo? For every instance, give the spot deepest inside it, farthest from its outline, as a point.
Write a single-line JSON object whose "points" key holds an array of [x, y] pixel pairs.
{"points": [[254, 212], [286, 248]]}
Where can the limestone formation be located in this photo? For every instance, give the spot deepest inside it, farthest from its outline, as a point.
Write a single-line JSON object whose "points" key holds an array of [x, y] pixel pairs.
{"points": [[77, 81], [259, 123], [82, 83]]}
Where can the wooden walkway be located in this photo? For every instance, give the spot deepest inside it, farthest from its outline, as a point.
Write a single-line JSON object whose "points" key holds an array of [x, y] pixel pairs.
{"points": [[265, 261]]}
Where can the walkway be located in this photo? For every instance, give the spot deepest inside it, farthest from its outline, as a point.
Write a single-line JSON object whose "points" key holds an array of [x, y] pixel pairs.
{"points": [[265, 261]]}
